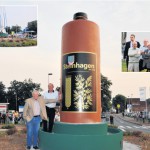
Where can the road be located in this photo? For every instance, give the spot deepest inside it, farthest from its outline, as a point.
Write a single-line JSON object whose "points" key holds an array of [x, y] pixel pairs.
{"points": [[127, 126]]}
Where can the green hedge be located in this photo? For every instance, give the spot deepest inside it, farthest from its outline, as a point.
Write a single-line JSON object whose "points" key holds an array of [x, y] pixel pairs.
{"points": [[9, 126]]}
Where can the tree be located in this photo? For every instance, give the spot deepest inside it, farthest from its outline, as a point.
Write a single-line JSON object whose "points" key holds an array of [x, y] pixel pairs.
{"points": [[119, 99], [2, 93], [20, 91], [105, 93], [32, 26], [8, 29], [16, 28]]}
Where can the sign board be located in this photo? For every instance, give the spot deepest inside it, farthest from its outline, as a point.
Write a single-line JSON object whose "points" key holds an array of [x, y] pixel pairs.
{"points": [[142, 91], [21, 108], [118, 106]]}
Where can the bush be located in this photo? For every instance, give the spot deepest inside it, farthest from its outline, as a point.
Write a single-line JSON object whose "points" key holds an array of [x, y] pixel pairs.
{"points": [[2, 44], [112, 126], [10, 126], [11, 131], [136, 133], [128, 133], [17, 41], [10, 40]]}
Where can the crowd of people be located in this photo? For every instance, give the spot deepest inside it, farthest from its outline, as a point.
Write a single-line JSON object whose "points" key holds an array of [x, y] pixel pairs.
{"points": [[14, 118], [137, 56]]}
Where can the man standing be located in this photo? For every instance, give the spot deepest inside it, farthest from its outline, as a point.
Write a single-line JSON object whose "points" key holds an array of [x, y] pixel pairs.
{"points": [[34, 110], [134, 56], [146, 58], [50, 108], [143, 48], [129, 45]]}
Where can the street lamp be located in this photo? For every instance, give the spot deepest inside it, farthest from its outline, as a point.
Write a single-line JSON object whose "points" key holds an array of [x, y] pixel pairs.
{"points": [[48, 76], [131, 102]]}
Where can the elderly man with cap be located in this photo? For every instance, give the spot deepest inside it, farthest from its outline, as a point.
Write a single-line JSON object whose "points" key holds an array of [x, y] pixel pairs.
{"points": [[34, 111], [134, 57]]}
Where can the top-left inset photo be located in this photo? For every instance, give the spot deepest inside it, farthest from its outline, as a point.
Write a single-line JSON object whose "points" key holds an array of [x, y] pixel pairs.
{"points": [[18, 26]]}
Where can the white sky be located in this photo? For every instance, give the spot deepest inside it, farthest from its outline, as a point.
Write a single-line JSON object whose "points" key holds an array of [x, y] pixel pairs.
{"points": [[113, 17], [20, 15], [139, 36]]}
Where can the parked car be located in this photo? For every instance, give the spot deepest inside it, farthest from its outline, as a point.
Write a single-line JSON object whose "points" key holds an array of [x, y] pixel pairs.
{"points": [[103, 115]]}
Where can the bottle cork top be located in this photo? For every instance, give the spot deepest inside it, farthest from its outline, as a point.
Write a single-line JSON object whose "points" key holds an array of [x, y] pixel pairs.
{"points": [[80, 15]]}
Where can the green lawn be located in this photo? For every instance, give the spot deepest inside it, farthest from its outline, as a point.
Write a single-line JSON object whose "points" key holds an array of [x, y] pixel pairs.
{"points": [[124, 68]]}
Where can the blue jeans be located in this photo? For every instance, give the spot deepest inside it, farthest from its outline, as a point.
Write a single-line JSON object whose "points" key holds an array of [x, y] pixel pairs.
{"points": [[32, 131]]}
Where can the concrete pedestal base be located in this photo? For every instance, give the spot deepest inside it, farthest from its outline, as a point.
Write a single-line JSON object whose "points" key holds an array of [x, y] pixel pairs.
{"points": [[81, 137]]}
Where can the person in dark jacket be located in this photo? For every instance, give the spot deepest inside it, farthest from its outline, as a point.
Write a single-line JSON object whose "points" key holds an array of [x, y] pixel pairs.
{"points": [[146, 58], [129, 45], [111, 119], [143, 48]]}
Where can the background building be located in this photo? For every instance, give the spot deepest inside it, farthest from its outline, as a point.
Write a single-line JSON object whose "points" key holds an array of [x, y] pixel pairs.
{"points": [[137, 105]]}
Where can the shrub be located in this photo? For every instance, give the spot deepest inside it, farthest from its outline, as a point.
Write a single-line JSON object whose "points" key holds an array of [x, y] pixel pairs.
{"points": [[17, 41], [2, 44], [136, 133], [10, 40], [9, 126], [128, 133], [18, 44], [112, 126], [11, 131]]}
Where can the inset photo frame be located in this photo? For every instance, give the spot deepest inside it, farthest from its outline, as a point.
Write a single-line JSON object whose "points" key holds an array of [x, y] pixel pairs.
{"points": [[135, 51], [18, 25]]}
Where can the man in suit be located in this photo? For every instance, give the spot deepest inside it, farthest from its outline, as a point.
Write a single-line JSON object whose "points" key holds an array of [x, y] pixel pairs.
{"points": [[129, 45], [34, 111]]}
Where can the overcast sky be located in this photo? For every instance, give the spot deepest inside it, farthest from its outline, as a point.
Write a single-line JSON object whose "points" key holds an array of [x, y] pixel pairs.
{"points": [[113, 17], [19, 15], [139, 36]]}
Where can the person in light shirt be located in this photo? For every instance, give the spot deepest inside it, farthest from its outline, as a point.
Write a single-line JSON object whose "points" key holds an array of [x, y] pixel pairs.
{"points": [[134, 57], [50, 108]]}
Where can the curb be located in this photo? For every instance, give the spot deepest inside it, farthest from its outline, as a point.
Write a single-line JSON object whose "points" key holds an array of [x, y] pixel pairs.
{"points": [[3, 130]]}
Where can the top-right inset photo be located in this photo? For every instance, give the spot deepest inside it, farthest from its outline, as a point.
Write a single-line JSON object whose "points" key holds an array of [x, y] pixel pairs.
{"points": [[135, 51]]}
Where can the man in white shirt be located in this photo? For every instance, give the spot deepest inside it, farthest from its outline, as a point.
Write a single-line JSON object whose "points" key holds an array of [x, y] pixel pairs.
{"points": [[134, 57], [50, 107]]}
